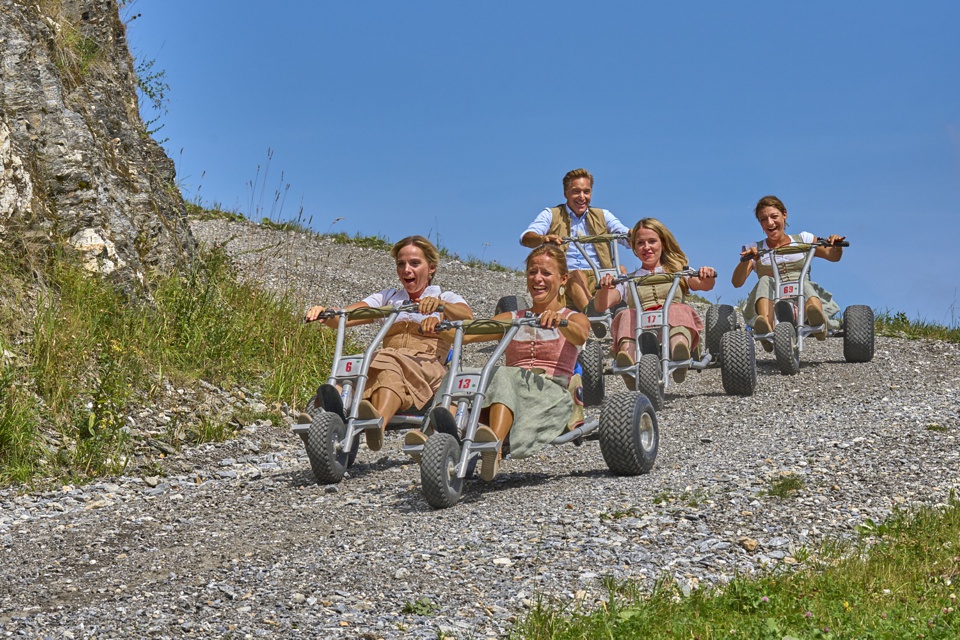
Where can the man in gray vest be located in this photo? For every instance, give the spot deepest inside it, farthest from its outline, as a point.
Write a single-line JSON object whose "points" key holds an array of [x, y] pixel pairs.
{"points": [[576, 217]]}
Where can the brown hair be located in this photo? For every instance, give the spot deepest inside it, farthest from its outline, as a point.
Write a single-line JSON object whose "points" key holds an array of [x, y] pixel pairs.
{"points": [[557, 255], [769, 201], [429, 251], [576, 174], [672, 257]]}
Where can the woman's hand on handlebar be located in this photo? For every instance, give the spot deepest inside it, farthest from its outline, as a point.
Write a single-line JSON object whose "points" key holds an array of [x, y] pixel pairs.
{"points": [[704, 280], [833, 239], [429, 305], [607, 282], [550, 319], [313, 313], [749, 253], [429, 324]]}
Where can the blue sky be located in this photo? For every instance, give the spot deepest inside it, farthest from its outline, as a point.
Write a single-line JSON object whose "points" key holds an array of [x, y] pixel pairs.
{"points": [[460, 119]]}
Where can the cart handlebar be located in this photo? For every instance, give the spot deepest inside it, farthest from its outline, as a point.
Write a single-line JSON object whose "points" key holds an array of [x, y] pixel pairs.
{"points": [[602, 237], [370, 313], [488, 326], [656, 278], [801, 247]]}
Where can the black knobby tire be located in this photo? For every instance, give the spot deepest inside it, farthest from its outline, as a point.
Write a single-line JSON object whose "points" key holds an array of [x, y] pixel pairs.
{"points": [[327, 398], [596, 318], [858, 333], [650, 382], [507, 303], [327, 460], [738, 363], [785, 348], [441, 487], [721, 318], [783, 311], [591, 373], [629, 433]]}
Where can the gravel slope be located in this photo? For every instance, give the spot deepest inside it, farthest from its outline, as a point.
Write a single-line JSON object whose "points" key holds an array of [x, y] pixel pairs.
{"points": [[237, 540]]}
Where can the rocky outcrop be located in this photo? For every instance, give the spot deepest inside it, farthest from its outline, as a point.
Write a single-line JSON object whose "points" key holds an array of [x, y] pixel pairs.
{"points": [[77, 161]]}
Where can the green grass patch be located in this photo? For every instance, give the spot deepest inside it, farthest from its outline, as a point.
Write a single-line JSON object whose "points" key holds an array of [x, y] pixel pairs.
{"points": [[898, 325], [212, 212], [421, 607], [94, 356], [896, 580], [784, 486]]}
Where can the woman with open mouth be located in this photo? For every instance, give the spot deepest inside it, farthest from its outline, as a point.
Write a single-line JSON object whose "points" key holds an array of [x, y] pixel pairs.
{"points": [[406, 372], [820, 307]]}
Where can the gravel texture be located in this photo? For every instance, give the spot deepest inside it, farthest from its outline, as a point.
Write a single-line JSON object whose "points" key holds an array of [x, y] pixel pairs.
{"points": [[236, 539]]}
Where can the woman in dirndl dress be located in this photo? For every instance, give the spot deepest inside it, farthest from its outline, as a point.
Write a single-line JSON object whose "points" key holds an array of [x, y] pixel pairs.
{"points": [[820, 308], [659, 252], [530, 399], [407, 370]]}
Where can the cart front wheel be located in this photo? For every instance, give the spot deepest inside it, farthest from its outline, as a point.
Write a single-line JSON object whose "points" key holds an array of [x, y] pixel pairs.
{"points": [[649, 380], [785, 348], [438, 471], [328, 458]]}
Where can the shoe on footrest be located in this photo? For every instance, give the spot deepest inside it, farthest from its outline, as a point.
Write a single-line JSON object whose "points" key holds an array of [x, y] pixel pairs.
{"points": [[490, 460], [814, 316], [760, 326], [680, 352], [366, 411], [415, 438]]}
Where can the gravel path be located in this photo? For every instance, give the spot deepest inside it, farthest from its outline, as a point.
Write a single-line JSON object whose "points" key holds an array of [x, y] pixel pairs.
{"points": [[237, 540]]}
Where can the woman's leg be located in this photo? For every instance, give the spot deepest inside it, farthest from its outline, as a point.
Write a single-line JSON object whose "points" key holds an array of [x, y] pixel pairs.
{"points": [[813, 314], [764, 321], [765, 310], [679, 350], [385, 403], [501, 419]]}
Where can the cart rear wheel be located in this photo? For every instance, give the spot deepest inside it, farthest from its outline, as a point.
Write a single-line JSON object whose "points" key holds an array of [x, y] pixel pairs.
{"points": [[327, 459], [591, 365], [629, 433], [785, 348], [438, 471], [650, 382], [858, 333], [721, 318], [738, 363], [507, 303]]}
